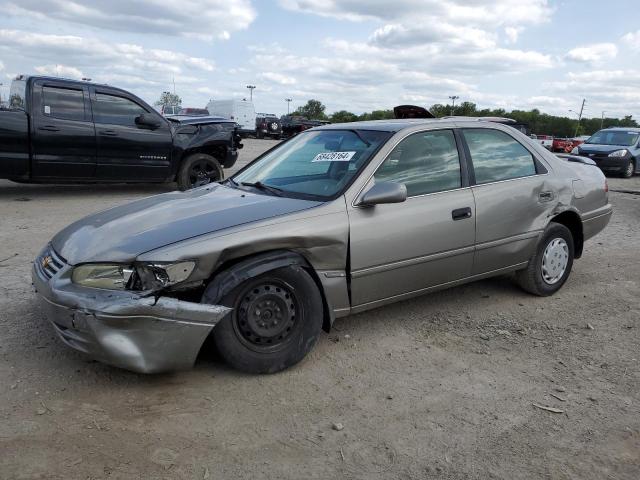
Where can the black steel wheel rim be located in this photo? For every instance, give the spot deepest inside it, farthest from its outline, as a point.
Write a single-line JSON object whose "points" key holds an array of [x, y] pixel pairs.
{"points": [[203, 172], [266, 316]]}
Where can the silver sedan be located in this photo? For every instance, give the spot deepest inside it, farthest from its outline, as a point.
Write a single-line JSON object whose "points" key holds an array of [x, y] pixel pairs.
{"points": [[337, 220]]}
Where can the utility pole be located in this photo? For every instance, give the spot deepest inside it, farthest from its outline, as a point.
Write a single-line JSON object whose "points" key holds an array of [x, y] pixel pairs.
{"points": [[1, 85], [288, 100], [584, 100], [453, 102], [174, 85], [602, 119], [251, 88]]}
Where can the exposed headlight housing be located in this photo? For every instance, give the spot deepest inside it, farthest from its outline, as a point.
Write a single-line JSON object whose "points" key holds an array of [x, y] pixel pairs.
{"points": [[142, 276], [154, 276], [98, 275], [619, 153], [575, 151]]}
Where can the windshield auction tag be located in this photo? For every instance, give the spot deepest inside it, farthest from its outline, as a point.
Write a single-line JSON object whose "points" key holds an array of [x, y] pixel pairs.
{"points": [[334, 157]]}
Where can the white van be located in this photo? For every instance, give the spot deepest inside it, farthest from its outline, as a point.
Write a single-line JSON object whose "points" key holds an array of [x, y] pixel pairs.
{"points": [[241, 111]]}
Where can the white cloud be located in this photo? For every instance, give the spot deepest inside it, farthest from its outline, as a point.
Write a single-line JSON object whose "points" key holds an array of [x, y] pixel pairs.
{"points": [[461, 12], [60, 71], [632, 39], [92, 53], [596, 53], [278, 78], [201, 18], [512, 34], [615, 91], [398, 35]]}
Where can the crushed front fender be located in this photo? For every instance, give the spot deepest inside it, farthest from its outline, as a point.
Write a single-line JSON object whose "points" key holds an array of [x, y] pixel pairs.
{"points": [[124, 329]]}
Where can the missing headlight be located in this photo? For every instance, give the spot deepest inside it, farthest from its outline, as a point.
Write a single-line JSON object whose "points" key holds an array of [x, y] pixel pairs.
{"points": [[155, 276]]}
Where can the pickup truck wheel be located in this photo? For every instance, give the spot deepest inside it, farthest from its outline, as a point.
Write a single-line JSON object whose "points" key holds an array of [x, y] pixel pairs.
{"points": [[628, 170], [551, 265], [275, 322], [197, 170]]}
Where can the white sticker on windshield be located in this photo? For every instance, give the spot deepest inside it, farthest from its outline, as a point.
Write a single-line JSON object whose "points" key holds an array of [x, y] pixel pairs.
{"points": [[334, 157], [47, 110]]}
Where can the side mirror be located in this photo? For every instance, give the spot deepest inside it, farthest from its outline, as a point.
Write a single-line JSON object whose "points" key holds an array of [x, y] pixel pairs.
{"points": [[384, 192], [145, 120]]}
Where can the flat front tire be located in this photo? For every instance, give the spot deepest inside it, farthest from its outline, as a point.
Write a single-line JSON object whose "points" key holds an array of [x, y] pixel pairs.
{"points": [[551, 265], [276, 320], [197, 170]]}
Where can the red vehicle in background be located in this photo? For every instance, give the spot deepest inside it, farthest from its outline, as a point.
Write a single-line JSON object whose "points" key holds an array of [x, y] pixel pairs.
{"points": [[561, 145], [545, 140]]}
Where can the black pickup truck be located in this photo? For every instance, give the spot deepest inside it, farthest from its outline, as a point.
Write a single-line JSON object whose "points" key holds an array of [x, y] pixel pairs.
{"points": [[56, 131]]}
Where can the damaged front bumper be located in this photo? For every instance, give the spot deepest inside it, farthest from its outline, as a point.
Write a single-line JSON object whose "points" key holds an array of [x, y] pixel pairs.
{"points": [[123, 328]]}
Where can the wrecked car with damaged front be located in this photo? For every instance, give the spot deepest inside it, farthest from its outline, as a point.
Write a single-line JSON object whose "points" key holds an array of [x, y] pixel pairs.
{"points": [[337, 220]]}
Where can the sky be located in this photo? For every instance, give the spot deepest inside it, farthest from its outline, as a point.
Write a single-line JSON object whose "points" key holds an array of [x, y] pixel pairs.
{"points": [[355, 55]]}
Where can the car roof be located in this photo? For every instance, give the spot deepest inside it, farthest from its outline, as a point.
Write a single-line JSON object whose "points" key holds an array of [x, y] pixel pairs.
{"points": [[30, 78], [396, 125], [622, 129]]}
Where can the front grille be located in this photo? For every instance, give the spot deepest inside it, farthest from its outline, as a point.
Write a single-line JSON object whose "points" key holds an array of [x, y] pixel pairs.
{"points": [[49, 262]]}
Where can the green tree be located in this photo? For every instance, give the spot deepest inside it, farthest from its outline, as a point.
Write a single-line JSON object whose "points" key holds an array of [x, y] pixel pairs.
{"points": [[313, 110], [377, 115], [343, 117], [168, 99]]}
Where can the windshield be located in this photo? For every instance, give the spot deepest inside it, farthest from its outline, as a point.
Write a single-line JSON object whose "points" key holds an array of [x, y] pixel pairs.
{"points": [[614, 137], [316, 164]]}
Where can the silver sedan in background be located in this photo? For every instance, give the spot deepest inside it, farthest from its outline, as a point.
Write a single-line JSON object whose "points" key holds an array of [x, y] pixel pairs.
{"points": [[337, 220]]}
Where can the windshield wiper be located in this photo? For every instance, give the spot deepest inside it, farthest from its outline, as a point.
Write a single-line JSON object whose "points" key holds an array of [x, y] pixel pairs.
{"points": [[262, 186]]}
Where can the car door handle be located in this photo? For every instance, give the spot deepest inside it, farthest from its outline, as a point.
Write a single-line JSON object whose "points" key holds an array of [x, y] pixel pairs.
{"points": [[461, 213], [49, 128], [109, 133]]}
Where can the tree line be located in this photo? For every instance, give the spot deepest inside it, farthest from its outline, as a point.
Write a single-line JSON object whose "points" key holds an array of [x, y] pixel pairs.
{"points": [[536, 121]]}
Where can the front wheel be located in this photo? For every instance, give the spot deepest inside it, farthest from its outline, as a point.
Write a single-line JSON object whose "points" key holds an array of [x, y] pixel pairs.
{"points": [[275, 322], [551, 265], [197, 170], [628, 170]]}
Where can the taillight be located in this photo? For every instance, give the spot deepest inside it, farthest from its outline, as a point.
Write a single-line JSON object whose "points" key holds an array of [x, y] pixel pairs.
{"points": [[606, 185]]}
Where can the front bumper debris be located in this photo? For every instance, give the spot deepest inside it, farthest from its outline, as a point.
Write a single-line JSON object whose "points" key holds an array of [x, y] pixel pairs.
{"points": [[144, 334]]}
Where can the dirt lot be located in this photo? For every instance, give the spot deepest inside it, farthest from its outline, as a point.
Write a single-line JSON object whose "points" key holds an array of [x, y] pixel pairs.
{"points": [[438, 387]]}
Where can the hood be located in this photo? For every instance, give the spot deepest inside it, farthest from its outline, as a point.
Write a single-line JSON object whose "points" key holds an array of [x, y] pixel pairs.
{"points": [[596, 148], [122, 233]]}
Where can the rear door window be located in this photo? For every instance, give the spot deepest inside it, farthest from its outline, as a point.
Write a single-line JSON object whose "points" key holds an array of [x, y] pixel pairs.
{"points": [[63, 103], [497, 156], [114, 110]]}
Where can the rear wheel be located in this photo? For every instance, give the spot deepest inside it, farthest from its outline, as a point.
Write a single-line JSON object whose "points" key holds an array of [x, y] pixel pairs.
{"points": [[628, 170], [551, 265], [275, 322], [199, 169]]}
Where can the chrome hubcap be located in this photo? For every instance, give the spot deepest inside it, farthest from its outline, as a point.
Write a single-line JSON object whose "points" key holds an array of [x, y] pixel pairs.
{"points": [[555, 260]]}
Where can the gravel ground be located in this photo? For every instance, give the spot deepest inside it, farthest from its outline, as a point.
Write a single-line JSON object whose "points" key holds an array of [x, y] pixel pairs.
{"points": [[443, 386]]}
